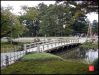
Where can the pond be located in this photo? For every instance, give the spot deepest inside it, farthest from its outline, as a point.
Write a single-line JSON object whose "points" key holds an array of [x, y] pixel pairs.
{"points": [[91, 55], [86, 56]]}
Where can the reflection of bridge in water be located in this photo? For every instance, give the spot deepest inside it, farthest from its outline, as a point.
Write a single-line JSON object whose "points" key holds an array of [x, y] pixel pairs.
{"points": [[47, 44]]}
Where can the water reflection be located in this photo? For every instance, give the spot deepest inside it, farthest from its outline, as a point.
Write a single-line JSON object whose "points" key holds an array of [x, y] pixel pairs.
{"points": [[87, 56], [91, 55]]}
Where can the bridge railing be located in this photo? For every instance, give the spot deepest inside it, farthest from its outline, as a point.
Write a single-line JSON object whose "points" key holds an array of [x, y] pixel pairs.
{"points": [[42, 46], [12, 57]]}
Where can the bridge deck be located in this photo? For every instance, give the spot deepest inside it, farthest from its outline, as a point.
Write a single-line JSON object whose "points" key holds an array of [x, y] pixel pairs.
{"points": [[13, 56]]}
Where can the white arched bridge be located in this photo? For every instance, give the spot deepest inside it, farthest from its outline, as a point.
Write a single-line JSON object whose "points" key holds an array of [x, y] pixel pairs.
{"points": [[47, 44]]}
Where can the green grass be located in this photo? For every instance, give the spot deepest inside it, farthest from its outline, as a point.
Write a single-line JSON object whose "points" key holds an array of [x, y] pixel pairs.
{"points": [[47, 64], [40, 57], [46, 67]]}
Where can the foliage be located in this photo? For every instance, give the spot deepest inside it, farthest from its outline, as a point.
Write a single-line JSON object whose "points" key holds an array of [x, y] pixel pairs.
{"points": [[80, 26], [30, 20], [95, 63], [44, 20], [86, 6], [89, 45], [78, 11], [10, 25], [95, 27], [53, 21]]}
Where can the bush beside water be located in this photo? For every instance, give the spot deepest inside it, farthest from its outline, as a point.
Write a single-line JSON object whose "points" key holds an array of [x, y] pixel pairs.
{"points": [[89, 45], [95, 63]]}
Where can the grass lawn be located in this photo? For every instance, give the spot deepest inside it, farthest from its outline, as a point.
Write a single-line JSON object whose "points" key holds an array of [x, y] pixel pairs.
{"points": [[40, 57], [47, 64]]}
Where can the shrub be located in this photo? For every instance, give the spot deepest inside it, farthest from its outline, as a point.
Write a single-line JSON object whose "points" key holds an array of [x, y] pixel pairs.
{"points": [[95, 63]]}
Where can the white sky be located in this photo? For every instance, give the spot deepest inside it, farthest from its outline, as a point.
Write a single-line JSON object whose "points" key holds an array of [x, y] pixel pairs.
{"points": [[92, 16], [17, 7]]}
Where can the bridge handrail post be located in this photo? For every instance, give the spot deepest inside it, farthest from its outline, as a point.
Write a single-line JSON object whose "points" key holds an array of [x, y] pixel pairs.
{"points": [[69, 40], [55, 43], [52, 44], [38, 48], [78, 40], [30, 46], [47, 45], [25, 49], [6, 60], [43, 47], [61, 42], [65, 41], [74, 41], [58, 42]]}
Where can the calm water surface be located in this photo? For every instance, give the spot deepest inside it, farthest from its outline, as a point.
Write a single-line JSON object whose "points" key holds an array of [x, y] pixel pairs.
{"points": [[87, 56]]}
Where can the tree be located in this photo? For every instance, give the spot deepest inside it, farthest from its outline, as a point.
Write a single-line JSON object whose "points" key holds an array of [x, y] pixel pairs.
{"points": [[78, 11], [30, 17], [86, 6], [80, 25], [54, 19], [10, 25], [42, 9], [95, 26]]}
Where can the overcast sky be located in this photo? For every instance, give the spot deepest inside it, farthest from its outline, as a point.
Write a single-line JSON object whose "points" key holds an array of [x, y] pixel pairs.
{"points": [[17, 7]]}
